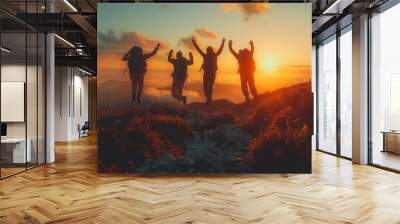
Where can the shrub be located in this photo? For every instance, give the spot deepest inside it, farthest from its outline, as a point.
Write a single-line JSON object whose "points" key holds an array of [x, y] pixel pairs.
{"points": [[107, 116], [279, 149], [171, 127], [130, 147]]}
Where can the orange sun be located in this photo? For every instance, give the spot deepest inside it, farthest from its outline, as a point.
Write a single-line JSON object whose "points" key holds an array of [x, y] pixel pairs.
{"points": [[269, 63]]}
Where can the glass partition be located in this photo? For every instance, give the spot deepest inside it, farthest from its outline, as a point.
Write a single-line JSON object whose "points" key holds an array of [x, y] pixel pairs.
{"points": [[22, 88], [14, 153]]}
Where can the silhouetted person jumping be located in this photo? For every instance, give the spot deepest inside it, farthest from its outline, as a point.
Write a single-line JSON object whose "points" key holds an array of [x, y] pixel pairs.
{"points": [[247, 67], [137, 68], [179, 74], [209, 67]]}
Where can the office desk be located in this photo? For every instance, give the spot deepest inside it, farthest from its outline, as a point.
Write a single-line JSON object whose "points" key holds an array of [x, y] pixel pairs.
{"points": [[13, 150], [391, 141]]}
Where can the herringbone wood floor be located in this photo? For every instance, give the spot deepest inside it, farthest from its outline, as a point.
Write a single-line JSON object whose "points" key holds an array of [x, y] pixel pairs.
{"points": [[70, 191]]}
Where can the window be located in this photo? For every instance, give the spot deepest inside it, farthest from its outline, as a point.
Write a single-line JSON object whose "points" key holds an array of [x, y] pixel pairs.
{"points": [[335, 74], [327, 96], [385, 89], [346, 93]]}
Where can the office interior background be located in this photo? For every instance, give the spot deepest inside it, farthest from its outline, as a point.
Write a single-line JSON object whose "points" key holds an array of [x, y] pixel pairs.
{"points": [[48, 79], [356, 86]]}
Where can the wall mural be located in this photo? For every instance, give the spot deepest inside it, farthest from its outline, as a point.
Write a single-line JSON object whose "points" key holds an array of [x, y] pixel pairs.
{"points": [[204, 88]]}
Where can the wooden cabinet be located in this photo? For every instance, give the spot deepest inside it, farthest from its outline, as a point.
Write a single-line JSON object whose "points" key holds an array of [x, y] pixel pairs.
{"points": [[391, 142]]}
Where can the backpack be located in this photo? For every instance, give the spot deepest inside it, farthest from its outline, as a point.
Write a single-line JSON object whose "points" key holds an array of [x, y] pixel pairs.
{"points": [[210, 63], [180, 69], [247, 63], [136, 63]]}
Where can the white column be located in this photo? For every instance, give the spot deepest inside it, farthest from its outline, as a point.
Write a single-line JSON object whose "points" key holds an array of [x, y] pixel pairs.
{"points": [[62, 103], [360, 89], [50, 100], [50, 92]]}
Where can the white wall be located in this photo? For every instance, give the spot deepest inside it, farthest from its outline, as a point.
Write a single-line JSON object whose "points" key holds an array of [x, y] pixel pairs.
{"points": [[33, 127], [16, 73], [71, 102], [61, 103], [12, 73], [79, 103]]}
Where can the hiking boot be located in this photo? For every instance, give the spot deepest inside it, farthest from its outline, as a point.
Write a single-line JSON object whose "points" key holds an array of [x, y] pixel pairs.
{"points": [[247, 99], [133, 96], [209, 100], [184, 100]]}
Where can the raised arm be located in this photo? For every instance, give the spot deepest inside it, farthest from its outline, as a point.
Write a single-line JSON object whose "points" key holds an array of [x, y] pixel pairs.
{"points": [[154, 52], [198, 48], [170, 56], [127, 55], [221, 47], [190, 58], [231, 49], [252, 48]]}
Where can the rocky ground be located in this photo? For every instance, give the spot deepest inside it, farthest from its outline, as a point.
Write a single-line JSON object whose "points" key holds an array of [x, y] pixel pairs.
{"points": [[218, 150], [219, 138]]}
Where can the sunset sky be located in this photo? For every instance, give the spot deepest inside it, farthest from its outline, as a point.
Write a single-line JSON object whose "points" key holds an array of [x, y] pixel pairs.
{"points": [[281, 34]]}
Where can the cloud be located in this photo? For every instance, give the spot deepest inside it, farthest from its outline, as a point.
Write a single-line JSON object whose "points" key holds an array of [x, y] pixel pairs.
{"points": [[153, 91], [112, 43], [248, 10], [107, 61], [205, 33], [186, 42], [166, 91]]}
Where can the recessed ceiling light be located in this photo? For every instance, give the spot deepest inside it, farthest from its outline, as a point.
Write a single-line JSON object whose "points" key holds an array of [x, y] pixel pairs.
{"points": [[84, 71], [5, 50], [326, 11], [64, 40], [70, 5]]}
